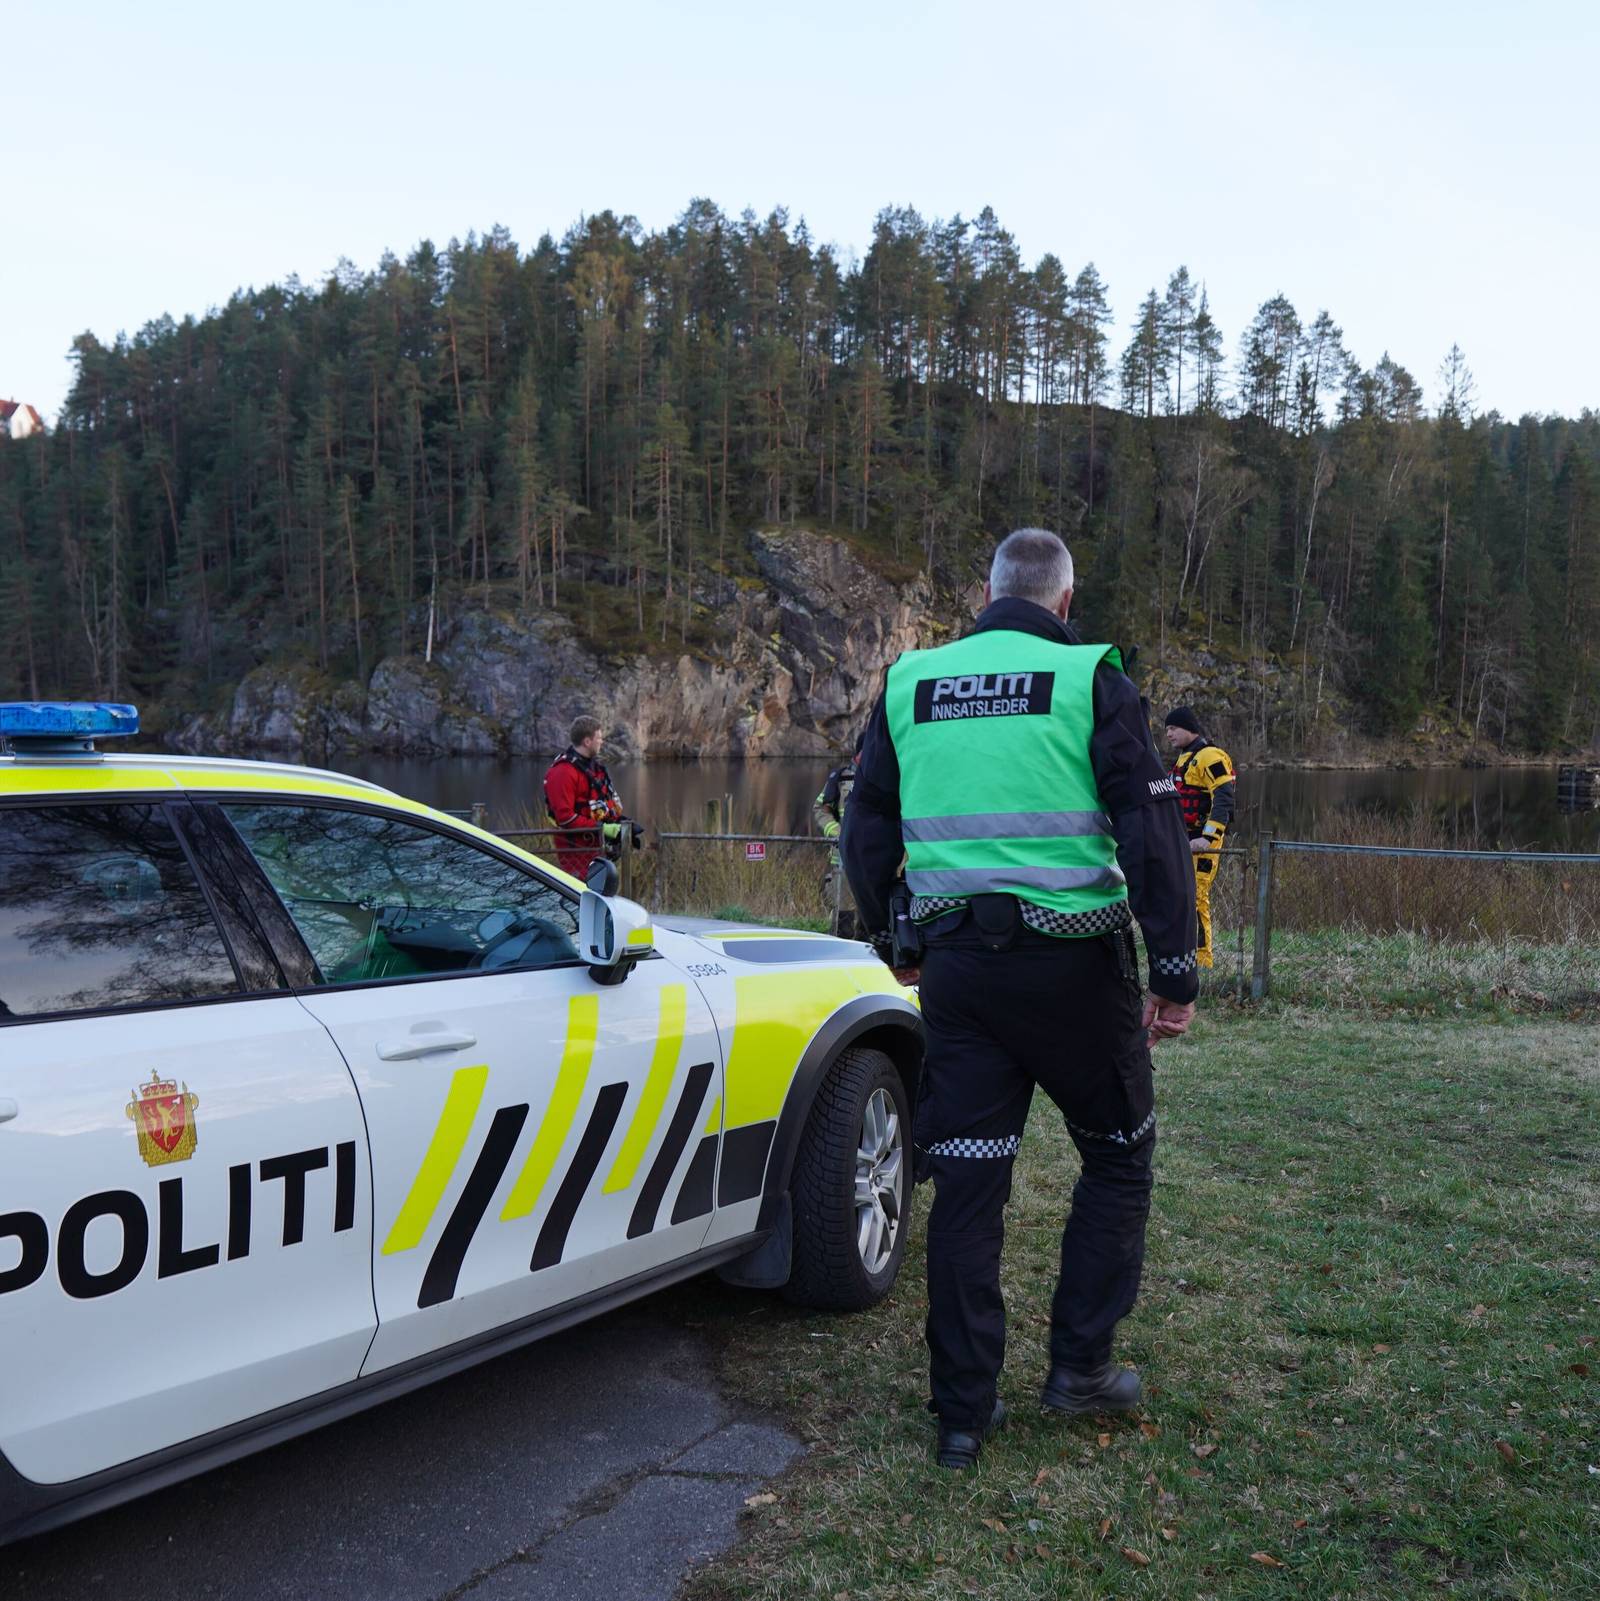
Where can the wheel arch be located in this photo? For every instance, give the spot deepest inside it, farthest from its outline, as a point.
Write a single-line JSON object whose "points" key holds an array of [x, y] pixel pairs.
{"points": [[883, 1022]]}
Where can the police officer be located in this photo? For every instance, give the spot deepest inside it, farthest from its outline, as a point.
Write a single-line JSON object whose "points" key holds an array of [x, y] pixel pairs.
{"points": [[1029, 969], [1204, 776], [827, 817]]}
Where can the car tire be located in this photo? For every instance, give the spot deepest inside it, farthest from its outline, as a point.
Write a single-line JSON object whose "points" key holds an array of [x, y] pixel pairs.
{"points": [[854, 1159]]}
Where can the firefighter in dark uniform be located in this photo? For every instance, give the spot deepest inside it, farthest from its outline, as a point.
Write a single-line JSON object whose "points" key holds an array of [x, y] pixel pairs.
{"points": [[827, 817], [1028, 975], [580, 797], [1204, 775]]}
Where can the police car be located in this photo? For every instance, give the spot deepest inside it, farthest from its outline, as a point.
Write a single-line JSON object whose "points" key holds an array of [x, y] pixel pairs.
{"points": [[310, 1094]]}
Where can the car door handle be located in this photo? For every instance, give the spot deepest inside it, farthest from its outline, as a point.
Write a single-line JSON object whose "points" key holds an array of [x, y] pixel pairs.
{"points": [[8, 1110], [420, 1044]]}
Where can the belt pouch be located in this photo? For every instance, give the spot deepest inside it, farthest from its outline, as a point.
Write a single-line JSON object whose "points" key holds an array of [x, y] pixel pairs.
{"points": [[997, 919]]}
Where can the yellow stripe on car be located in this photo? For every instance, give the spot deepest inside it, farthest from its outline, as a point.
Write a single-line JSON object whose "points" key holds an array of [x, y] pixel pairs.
{"points": [[444, 1151], [583, 1028], [775, 1016], [27, 779], [714, 1122], [663, 1067], [641, 936]]}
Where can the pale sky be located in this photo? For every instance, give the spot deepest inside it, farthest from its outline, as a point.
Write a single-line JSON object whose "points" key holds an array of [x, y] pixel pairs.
{"points": [[1426, 172]]}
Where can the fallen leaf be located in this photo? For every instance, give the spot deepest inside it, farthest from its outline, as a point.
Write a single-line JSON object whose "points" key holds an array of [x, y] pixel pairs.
{"points": [[1150, 1430], [1104, 1440], [1203, 1451], [1169, 1534], [1326, 1268], [1304, 1434], [1478, 1310], [1105, 1528], [1011, 1553], [1137, 1558], [1265, 1560], [1040, 1477], [1380, 1350], [1580, 1368], [993, 1523], [1586, 1340], [1300, 1523], [766, 1498], [1042, 1552], [1506, 1451], [906, 1520]]}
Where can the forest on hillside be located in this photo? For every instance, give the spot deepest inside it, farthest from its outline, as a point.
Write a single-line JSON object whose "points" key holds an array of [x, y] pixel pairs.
{"points": [[594, 424]]}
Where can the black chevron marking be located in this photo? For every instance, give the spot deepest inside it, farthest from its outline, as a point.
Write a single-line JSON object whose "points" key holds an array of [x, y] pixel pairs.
{"points": [[439, 1282], [694, 1199], [684, 1117], [744, 1160], [552, 1239]]}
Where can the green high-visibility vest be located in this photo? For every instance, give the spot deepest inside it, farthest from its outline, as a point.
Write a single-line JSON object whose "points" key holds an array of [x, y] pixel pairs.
{"points": [[1007, 716]]}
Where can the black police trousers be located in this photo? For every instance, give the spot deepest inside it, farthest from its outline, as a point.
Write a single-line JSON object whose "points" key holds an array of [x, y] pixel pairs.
{"points": [[1063, 1014]]}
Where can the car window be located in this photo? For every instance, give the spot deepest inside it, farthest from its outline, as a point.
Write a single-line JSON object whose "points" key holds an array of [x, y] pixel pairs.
{"points": [[380, 898], [100, 908]]}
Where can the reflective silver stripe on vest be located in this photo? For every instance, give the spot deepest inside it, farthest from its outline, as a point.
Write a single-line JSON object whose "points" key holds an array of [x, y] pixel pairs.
{"points": [[1003, 825], [986, 880]]}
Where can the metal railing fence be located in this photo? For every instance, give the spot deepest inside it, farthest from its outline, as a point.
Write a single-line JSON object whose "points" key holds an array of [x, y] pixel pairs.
{"points": [[1386, 922], [779, 878], [1318, 923]]}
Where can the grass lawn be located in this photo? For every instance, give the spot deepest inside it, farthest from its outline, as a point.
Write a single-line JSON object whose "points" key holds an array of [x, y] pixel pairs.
{"points": [[1367, 1336]]}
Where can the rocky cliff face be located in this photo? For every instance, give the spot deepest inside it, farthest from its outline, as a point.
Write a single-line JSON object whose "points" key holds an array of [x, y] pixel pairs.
{"points": [[797, 659]]}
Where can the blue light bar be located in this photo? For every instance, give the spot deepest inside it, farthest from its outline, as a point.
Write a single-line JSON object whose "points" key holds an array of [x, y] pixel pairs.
{"points": [[66, 724]]}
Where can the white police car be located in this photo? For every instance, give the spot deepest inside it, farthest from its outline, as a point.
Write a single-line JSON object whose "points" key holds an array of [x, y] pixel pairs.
{"points": [[310, 1094]]}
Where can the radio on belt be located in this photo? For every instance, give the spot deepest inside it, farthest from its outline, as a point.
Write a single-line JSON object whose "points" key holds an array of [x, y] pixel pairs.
{"points": [[63, 727]]}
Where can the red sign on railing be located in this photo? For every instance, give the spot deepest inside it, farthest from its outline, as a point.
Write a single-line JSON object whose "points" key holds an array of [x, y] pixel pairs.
{"points": [[755, 850]]}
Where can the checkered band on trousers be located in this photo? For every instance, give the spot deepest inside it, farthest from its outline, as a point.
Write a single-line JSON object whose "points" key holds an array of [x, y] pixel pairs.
{"points": [[1175, 966], [1117, 1138], [1002, 1147], [1073, 925]]}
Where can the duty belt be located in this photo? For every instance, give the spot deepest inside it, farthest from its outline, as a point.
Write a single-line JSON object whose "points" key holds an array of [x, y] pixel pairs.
{"points": [[1041, 919]]}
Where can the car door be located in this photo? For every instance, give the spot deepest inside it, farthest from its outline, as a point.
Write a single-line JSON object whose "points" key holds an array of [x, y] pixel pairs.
{"points": [[535, 1135], [185, 1219]]}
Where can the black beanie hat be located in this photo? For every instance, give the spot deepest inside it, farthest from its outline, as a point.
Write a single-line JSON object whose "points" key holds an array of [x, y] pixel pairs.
{"points": [[1183, 717]]}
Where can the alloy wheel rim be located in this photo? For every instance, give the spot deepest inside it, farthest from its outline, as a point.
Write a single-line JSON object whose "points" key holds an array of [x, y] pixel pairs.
{"points": [[880, 1181]]}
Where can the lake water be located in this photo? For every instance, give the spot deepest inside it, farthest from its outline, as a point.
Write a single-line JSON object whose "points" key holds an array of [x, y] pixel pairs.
{"points": [[1507, 808]]}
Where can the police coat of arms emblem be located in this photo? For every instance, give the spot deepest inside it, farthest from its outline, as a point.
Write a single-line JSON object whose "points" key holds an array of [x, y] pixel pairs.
{"points": [[164, 1116]]}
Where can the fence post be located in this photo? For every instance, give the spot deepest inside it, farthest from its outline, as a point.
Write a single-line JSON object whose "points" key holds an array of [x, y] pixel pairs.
{"points": [[480, 814], [714, 817], [625, 862], [1261, 977], [1238, 966]]}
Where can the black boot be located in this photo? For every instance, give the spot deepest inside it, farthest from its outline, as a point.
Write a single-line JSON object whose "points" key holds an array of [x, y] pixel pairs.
{"points": [[1111, 1388], [958, 1449]]}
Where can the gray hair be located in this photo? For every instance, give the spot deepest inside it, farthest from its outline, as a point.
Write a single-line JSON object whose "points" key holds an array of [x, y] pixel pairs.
{"points": [[1031, 564]]}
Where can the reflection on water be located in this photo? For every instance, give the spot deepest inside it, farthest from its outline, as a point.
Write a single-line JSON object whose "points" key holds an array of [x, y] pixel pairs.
{"points": [[1507, 808]]}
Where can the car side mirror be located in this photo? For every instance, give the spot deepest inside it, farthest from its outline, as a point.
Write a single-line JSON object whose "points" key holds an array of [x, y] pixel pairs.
{"points": [[601, 876], [612, 935]]}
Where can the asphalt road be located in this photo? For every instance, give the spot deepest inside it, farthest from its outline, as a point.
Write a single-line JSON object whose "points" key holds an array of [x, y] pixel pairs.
{"points": [[602, 1463]]}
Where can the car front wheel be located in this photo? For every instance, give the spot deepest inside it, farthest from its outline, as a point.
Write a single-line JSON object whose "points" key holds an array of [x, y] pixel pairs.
{"points": [[852, 1186]]}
